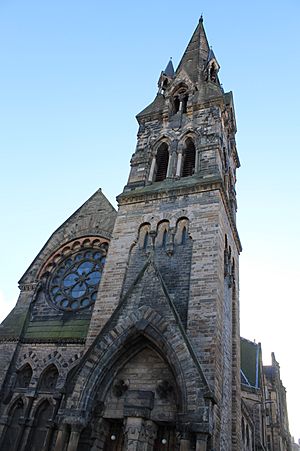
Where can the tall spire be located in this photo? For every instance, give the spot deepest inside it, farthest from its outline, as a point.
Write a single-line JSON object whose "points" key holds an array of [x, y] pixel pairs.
{"points": [[196, 53]]}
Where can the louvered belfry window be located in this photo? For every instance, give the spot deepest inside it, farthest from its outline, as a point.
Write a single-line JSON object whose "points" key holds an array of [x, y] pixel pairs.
{"points": [[189, 159], [162, 161]]}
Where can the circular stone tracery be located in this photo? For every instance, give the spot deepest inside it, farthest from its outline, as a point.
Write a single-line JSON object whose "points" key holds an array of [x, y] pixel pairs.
{"points": [[74, 283]]}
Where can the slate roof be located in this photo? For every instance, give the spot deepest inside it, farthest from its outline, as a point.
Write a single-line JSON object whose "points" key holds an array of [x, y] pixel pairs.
{"points": [[156, 106], [195, 54], [169, 70]]}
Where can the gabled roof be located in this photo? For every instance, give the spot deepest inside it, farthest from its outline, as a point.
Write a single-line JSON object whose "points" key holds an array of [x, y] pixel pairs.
{"points": [[98, 207], [156, 106]]}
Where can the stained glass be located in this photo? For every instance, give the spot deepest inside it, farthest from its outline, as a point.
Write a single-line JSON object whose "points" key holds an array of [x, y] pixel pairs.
{"points": [[73, 284]]}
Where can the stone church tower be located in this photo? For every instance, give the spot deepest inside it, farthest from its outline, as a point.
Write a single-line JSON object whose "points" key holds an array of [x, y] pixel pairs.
{"points": [[141, 353]]}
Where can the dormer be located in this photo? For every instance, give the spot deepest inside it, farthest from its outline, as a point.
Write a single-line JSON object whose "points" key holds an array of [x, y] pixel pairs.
{"points": [[166, 77], [212, 68]]}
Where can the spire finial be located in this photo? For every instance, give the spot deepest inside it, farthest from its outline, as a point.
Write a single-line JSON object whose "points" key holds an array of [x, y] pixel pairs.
{"points": [[201, 18]]}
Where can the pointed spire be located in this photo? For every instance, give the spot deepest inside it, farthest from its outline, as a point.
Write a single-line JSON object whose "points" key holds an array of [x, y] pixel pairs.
{"points": [[169, 70], [211, 55], [196, 53]]}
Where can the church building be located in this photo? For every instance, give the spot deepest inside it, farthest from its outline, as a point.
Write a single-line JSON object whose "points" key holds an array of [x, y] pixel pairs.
{"points": [[126, 333]]}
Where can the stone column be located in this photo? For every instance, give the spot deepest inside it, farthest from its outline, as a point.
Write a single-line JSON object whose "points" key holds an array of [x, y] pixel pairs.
{"points": [[184, 444], [61, 438], [152, 169], [133, 429], [74, 437], [201, 443], [172, 158], [27, 425], [150, 431], [184, 435], [179, 162]]}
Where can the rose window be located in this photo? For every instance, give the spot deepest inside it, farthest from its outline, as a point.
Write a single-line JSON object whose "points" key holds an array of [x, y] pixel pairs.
{"points": [[74, 283]]}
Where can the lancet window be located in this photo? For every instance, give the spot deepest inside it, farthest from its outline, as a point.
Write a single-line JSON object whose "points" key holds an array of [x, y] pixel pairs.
{"points": [[189, 158], [24, 376], [162, 161], [49, 379]]}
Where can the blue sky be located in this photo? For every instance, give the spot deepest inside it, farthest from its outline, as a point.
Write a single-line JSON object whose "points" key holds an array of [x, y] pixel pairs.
{"points": [[73, 76]]}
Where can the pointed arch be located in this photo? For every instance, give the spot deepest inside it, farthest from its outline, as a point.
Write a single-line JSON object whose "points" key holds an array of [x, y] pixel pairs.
{"points": [[179, 98], [93, 376], [136, 367], [164, 239], [184, 235], [162, 162], [182, 230], [134, 342], [107, 354], [42, 419], [13, 430], [24, 375], [143, 235], [162, 233], [189, 158], [48, 378]]}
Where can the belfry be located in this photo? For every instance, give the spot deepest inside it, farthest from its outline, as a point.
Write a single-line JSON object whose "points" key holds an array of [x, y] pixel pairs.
{"points": [[126, 334]]}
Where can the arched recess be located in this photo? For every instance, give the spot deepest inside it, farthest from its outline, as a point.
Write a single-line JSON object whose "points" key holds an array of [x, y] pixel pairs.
{"points": [[138, 344], [179, 99], [143, 236], [38, 437], [182, 231], [162, 162], [11, 435], [138, 330], [94, 381], [24, 376], [189, 158], [139, 369], [48, 379], [162, 234]]}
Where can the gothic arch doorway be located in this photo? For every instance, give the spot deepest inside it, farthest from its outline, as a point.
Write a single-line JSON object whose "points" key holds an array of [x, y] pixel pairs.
{"points": [[139, 399]]}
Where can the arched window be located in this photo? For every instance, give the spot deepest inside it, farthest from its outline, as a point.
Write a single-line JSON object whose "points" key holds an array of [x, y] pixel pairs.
{"points": [[49, 379], [144, 237], [162, 161], [13, 430], [164, 239], [213, 73], [181, 234], [189, 158], [184, 235], [41, 426], [162, 234], [24, 376], [176, 104], [180, 100], [184, 103], [146, 240]]}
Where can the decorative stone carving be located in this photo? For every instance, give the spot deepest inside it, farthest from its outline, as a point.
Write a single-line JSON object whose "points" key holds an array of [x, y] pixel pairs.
{"points": [[120, 387], [164, 389]]}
